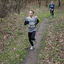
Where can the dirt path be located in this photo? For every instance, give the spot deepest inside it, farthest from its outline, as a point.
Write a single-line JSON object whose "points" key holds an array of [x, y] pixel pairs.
{"points": [[32, 57]]}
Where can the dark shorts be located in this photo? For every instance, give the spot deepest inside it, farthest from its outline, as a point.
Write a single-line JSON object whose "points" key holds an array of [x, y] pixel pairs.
{"points": [[52, 12]]}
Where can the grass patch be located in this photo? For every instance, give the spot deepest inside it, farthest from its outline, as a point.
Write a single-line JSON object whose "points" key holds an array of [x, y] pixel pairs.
{"points": [[52, 47], [14, 37]]}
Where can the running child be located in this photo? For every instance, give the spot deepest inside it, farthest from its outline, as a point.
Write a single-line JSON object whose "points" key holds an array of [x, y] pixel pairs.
{"points": [[31, 21], [51, 8]]}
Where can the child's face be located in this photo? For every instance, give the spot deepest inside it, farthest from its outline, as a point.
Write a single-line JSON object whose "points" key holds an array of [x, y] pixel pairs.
{"points": [[31, 13], [52, 2]]}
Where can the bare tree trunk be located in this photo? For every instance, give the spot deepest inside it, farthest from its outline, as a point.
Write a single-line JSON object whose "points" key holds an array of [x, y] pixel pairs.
{"points": [[39, 3], [59, 3], [46, 2]]}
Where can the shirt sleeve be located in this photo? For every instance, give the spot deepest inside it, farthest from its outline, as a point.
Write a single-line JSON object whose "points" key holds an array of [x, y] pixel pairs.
{"points": [[37, 21], [49, 6], [54, 5], [26, 22]]}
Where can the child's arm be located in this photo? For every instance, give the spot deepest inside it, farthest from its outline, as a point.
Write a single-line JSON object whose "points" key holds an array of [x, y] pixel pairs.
{"points": [[54, 5], [49, 6], [26, 22], [37, 21]]}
